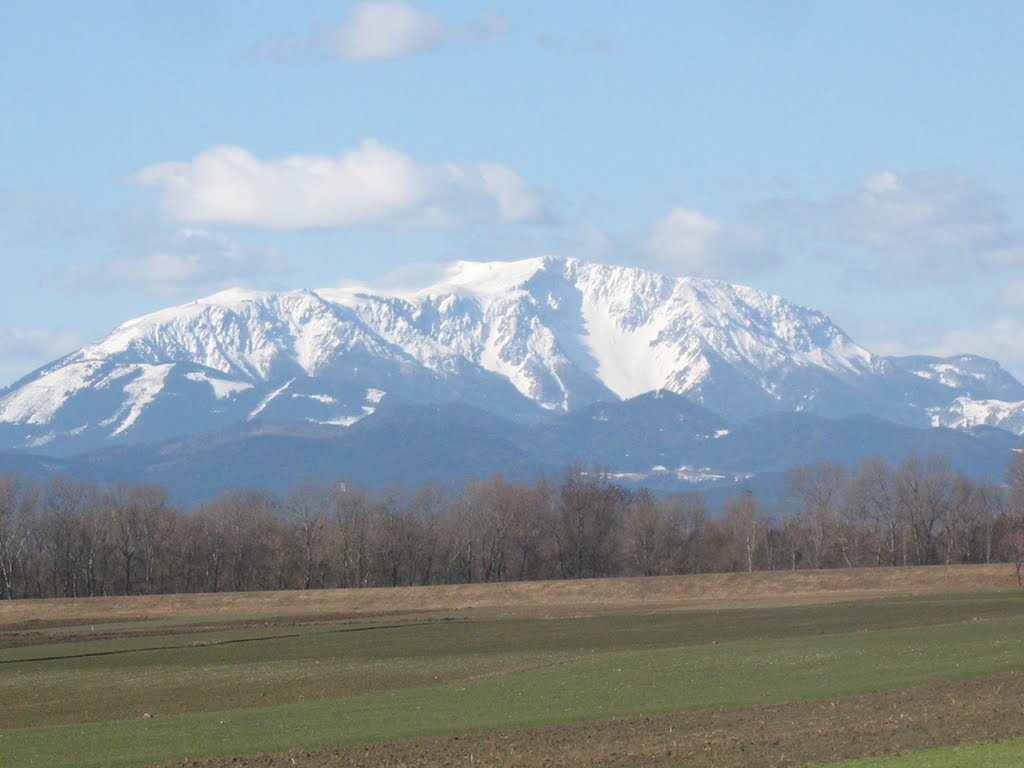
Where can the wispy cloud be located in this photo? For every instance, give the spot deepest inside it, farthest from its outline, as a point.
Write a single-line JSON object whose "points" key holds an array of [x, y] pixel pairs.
{"points": [[184, 262], [1012, 295], [918, 225], [378, 31], [999, 339], [686, 241], [385, 30], [24, 348], [489, 26], [372, 184], [50, 214]]}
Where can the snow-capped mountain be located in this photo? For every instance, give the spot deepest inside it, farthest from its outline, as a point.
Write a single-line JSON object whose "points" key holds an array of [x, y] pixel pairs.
{"points": [[231, 357], [987, 395], [514, 338], [966, 412], [975, 377], [568, 333]]}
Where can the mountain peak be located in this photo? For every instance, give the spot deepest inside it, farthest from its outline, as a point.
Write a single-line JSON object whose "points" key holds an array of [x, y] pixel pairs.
{"points": [[478, 279], [513, 337]]}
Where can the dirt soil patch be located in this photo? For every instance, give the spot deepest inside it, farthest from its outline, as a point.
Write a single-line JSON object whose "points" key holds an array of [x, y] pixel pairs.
{"points": [[545, 597], [791, 734]]}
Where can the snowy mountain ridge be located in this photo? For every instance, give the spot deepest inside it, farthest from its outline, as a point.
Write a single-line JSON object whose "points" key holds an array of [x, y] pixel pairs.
{"points": [[554, 326], [516, 338]]}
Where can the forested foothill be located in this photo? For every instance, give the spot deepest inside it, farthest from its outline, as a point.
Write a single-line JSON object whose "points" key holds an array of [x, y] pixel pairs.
{"points": [[72, 539]]}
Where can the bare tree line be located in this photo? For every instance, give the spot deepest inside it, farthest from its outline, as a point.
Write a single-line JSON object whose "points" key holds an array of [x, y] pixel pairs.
{"points": [[72, 539]]}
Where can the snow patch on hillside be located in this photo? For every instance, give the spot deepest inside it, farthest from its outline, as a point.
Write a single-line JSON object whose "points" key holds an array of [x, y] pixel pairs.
{"points": [[38, 401], [142, 391], [965, 413], [269, 399], [325, 399], [222, 388]]}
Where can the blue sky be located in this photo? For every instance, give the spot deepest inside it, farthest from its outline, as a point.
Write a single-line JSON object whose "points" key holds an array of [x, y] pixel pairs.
{"points": [[862, 158]]}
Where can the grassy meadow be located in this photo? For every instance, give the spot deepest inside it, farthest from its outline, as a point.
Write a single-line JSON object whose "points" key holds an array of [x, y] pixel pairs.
{"points": [[827, 672]]}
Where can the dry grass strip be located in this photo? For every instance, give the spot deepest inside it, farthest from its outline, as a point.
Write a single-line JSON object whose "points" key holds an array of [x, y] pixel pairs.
{"points": [[544, 597]]}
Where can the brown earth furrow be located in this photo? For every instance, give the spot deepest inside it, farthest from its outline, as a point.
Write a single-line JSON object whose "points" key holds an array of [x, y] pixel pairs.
{"points": [[790, 734]]}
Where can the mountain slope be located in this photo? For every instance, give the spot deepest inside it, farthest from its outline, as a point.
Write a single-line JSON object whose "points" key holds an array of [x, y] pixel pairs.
{"points": [[567, 333], [231, 357], [984, 394], [661, 441], [970, 375], [394, 448], [513, 338]]}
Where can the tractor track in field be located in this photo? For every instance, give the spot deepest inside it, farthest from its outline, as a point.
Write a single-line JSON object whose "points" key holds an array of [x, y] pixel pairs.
{"points": [[29, 634], [209, 644]]}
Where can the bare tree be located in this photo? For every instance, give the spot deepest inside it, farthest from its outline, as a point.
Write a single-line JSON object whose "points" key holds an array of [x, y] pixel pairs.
{"points": [[74, 539], [307, 508], [744, 525], [187, 553], [591, 509], [403, 544], [791, 538], [18, 502], [96, 541], [690, 533], [956, 519], [140, 519], [250, 528], [534, 520], [985, 507], [1015, 481], [923, 497], [428, 506], [1015, 486], [816, 492], [210, 526], [59, 531], [351, 529], [646, 536], [870, 506]]}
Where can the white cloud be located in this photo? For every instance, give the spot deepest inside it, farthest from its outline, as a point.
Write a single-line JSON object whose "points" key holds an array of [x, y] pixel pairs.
{"points": [[372, 184], [378, 31], [25, 348], [689, 242], [995, 336], [922, 225], [183, 262], [999, 340], [514, 198]]}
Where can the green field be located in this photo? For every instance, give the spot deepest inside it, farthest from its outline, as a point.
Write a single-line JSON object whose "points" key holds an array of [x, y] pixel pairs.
{"points": [[1001, 754], [134, 694]]}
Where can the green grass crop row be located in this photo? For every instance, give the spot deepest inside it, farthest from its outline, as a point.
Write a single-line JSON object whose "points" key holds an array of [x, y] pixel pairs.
{"points": [[214, 671], [615, 672]]}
